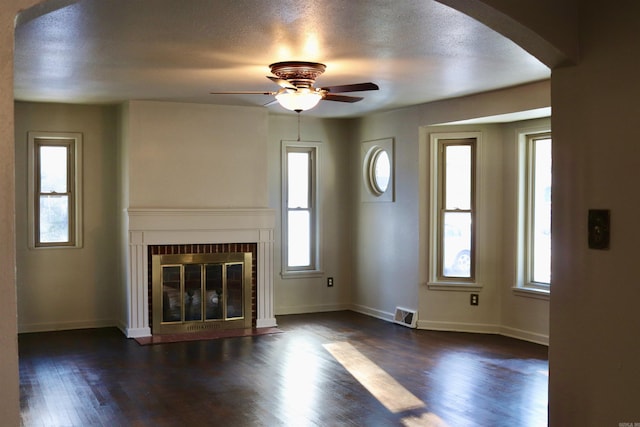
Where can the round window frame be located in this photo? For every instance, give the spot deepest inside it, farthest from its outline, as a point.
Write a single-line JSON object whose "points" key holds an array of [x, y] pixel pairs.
{"points": [[372, 164], [368, 191]]}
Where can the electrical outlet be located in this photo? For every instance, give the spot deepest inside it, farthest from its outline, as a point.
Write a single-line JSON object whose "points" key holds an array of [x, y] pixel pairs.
{"points": [[329, 282], [473, 300]]}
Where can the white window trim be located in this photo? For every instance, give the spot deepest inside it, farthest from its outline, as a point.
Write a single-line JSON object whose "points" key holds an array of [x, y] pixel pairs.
{"points": [[78, 177], [433, 281], [522, 287], [316, 270]]}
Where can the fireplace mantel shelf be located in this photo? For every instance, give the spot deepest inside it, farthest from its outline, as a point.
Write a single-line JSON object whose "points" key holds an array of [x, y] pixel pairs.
{"points": [[201, 211]]}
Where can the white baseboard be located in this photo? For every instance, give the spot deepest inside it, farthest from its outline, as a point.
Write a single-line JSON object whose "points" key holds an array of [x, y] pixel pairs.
{"points": [[266, 323], [137, 332], [478, 328], [372, 312], [304, 309], [525, 335], [378, 314], [133, 332], [65, 326]]}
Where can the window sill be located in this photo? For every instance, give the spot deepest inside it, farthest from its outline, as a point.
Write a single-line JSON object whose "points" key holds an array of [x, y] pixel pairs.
{"points": [[301, 274], [542, 294], [39, 248], [454, 286]]}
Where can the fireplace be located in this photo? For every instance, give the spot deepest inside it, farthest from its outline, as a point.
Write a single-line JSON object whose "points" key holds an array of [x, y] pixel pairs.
{"points": [[191, 230], [201, 287]]}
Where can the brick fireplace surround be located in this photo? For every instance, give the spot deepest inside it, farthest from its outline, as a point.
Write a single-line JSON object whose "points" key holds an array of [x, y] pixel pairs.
{"points": [[152, 227]]}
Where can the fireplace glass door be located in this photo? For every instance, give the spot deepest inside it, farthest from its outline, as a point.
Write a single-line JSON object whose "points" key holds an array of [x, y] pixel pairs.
{"points": [[201, 291]]}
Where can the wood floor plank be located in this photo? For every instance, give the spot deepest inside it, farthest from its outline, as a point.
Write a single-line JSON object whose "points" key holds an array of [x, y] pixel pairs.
{"points": [[97, 377]]}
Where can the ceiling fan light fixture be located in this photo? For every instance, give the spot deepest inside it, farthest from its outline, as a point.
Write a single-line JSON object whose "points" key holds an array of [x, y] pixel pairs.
{"points": [[297, 92], [300, 100]]}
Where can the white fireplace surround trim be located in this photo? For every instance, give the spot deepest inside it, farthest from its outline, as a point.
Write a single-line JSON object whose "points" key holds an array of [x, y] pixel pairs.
{"points": [[196, 226]]}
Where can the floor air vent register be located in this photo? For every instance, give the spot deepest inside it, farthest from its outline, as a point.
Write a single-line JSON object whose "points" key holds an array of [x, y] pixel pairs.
{"points": [[406, 317]]}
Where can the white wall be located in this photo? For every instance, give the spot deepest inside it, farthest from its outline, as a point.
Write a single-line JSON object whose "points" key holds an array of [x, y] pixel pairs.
{"points": [[311, 294], [71, 288]]}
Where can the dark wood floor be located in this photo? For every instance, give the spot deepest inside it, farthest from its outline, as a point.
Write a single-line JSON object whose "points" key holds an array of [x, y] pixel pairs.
{"points": [[97, 377]]}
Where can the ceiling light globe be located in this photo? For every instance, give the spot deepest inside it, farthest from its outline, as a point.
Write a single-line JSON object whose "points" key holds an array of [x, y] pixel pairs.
{"points": [[300, 100]]}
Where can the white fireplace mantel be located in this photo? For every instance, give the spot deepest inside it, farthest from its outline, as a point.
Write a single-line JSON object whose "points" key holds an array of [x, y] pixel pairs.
{"points": [[196, 226]]}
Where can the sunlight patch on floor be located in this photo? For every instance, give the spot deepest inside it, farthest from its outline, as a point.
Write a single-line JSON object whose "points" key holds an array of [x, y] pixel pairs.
{"points": [[381, 385], [425, 420], [298, 387]]}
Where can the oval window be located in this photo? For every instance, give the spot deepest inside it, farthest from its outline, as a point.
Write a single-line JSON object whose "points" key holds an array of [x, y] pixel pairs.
{"points": [[380, 171]]}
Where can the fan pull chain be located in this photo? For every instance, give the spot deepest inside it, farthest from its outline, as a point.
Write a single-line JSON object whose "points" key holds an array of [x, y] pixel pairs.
{"points": [[298, 125]]}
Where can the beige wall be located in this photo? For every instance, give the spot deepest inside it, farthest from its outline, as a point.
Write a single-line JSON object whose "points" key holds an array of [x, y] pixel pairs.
{"points": [[387, 269], [595, 322], [311, 294], [391, 267], [204, 156], [188, 156], [9, 397], [76, 287], [594, 377], [385, 234], [195, 156], [451, 310], [525, 315]]}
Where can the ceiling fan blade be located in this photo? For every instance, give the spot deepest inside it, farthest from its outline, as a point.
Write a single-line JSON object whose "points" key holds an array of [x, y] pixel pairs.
{"points": [[275, 101], [243, 92], [282, 82], [357, 87], [341, 98]]}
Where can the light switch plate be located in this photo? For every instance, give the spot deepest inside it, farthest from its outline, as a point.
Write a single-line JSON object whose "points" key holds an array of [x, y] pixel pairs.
{"points": [[599, 228]]}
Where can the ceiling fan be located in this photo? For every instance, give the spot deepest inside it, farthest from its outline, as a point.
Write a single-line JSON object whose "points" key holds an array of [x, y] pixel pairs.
{"points": [[297, 93]]}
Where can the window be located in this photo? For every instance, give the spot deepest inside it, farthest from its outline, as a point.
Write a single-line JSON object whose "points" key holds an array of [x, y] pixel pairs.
{"points": [[300, 252], [377, 170], [455, 235], [538, 211], [54, 189], [453, 210]]}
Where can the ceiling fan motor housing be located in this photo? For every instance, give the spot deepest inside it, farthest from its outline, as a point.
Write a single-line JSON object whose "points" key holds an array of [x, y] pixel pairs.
{"points": [[299, 73]]}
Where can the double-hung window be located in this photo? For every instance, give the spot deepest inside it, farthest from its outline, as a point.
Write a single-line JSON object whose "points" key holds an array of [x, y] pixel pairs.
{"points": [[537, 211], [300, 222], [453, 210], [55, 189]]}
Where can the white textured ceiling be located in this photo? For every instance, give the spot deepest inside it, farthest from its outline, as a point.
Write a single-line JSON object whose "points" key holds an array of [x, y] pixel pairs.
{"points": [[108, 51]]}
